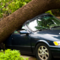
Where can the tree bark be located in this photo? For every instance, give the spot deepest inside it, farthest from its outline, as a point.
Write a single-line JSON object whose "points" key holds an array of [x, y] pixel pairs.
{"points": [[30, 10]]}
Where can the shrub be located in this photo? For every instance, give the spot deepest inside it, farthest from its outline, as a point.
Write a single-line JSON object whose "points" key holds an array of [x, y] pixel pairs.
{"points": [[11, 55], [49, 11], [9, 6]]}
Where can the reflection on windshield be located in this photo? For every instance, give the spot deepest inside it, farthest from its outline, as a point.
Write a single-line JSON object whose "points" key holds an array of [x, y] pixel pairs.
{"points": [[45, 22], [32, 25]]}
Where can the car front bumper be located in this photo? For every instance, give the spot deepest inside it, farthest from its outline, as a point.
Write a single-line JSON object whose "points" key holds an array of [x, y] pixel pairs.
{"points": [[55, 50]]}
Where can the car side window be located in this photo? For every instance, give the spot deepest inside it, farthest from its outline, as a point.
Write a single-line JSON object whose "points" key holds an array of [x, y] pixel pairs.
{"points": [[18, 31], [23, 27]]}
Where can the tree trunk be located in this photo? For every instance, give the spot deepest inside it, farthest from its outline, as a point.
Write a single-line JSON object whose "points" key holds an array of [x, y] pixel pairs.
{"points": [[15, 20]]}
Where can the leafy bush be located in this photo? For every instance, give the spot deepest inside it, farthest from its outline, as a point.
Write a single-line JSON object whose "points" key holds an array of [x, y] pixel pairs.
{"points": [[11, 55], [50, 12], [9, 6]]}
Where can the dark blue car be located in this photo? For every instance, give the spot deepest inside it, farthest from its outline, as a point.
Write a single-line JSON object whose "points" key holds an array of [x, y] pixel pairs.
{"points": [[38, 36]]}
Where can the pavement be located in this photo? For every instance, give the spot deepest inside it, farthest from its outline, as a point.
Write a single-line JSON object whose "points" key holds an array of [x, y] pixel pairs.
{"points": [[33, 58], [29, 57]]}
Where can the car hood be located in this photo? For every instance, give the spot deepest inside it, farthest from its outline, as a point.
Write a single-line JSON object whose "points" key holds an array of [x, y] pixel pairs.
{"points": [[48, 34]]}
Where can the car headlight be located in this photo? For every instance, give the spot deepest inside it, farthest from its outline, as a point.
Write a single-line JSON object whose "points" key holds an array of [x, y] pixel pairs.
{"points": [[56, 43]]}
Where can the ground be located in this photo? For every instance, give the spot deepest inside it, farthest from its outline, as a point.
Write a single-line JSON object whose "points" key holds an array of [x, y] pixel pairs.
{"points": [[29, 57], [33, 58]]}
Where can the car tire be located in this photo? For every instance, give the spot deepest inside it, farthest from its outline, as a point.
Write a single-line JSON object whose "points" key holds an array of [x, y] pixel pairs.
{"points": [[43, 52]]}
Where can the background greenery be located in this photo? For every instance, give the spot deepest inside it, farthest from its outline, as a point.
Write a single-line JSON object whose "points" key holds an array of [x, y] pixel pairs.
{"points": [[9, 6]]}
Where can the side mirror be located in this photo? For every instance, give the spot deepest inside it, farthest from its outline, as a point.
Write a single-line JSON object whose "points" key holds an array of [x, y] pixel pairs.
{"points": [[24, 32]]}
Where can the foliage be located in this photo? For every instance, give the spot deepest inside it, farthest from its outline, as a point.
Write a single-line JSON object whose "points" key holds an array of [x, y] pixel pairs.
{"points": [[9, 6], [50, 12], [11, 55]]}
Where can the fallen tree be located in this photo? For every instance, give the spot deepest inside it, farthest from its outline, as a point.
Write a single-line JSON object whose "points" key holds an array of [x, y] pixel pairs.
{"points": [[30, 10]]}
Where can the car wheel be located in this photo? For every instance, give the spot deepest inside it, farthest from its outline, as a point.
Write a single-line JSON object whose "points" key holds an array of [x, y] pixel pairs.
{"points": [[43, 52]]}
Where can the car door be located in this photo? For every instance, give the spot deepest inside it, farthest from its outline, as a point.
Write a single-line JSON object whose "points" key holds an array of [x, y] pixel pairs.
{"points": [[22, 42]]}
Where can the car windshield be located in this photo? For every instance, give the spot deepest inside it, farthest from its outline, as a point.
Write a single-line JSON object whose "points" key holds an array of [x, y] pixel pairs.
{"points": [[44, 22]]}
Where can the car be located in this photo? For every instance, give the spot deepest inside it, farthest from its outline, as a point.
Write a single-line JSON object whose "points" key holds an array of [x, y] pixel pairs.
{"points": [[38, 36]]}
